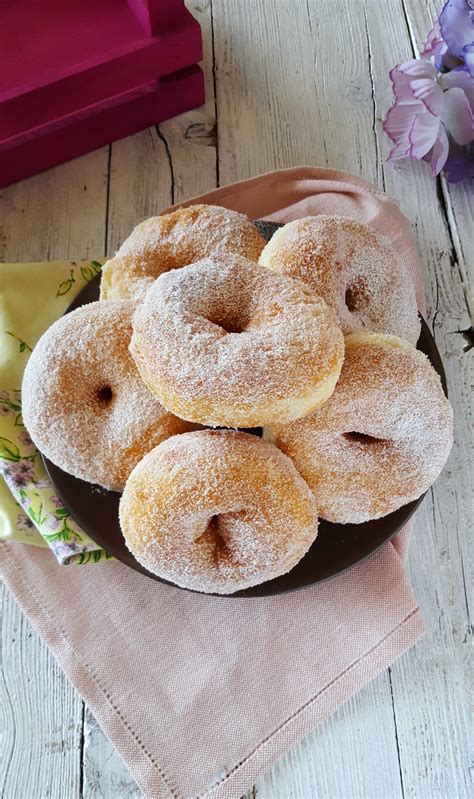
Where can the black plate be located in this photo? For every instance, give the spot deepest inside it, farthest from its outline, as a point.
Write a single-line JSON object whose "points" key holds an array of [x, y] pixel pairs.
{"points": [[337, 547]]}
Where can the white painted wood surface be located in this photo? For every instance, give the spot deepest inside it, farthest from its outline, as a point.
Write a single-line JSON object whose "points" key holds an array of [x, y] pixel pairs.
{"points": [[288, 82]]}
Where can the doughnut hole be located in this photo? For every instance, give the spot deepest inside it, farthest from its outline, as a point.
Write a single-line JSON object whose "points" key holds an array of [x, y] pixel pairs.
{"points": [[362, 438], [104, 395], [214, 532], [229, 326], [231, 322], [356, 296]]}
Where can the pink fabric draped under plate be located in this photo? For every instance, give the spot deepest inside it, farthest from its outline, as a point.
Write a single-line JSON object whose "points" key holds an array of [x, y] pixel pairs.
{"points": [[201, 694]]}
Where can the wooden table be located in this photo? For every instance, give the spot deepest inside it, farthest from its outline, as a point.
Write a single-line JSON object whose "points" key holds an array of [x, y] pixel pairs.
{"points": [[289, 82]]}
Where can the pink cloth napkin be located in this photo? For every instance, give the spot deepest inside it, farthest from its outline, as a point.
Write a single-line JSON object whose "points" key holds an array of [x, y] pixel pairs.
{"points": [[200, 694]]}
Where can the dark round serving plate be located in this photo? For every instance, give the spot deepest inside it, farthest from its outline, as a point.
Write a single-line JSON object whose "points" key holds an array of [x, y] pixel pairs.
{"points": [[337, 547]]}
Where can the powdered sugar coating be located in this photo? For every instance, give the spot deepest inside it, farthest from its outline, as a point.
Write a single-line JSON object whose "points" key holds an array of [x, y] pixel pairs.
{"points": [[175, 240], [217, 511], [352, 268], [389, 391], [83, 401], [226, 342]]}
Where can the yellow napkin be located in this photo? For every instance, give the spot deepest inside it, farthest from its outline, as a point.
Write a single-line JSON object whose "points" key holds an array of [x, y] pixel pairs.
{"points": [[32, 297]]}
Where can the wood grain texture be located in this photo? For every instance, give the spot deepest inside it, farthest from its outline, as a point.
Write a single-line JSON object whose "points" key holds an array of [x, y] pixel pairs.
{"points": [[40, 714], [296, 81], [283, 99]]}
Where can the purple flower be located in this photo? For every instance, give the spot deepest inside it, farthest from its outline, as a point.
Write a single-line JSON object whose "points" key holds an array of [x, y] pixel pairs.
{"points": [[435, 47], [25, 439], [65, 550], [52, 523], [428, 106], [456, 24], [460, 163], [24, 523], [18, 474], [58, 503]]}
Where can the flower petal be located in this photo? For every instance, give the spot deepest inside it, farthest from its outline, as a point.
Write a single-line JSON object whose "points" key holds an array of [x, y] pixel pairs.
{"points": [[402, 75], [457, 116], [423, 135], [439, 153], [430, 93], [468, 51], [435, 44], [460, 163], [456, 23], [461, 79]]}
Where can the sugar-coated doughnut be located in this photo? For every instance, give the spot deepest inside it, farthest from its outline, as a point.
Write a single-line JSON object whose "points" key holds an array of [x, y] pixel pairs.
{"points": [[351, 267], [382, 438], [226, 342], [83, 401], [217, 511], [174, 240]]}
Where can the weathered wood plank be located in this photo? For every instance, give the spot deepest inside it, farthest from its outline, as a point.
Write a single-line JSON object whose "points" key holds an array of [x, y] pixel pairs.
{"points": [[430, 685], [139, 184], [59, 214], [292, 87], [40, 712]]}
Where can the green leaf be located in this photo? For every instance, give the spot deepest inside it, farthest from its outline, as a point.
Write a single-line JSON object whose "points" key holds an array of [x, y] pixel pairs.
{"points": [[62, 512], [87, 273], [96, 554], [8, 450], [23, 345], [19, 420], [96, 266], [64, 287], [33, 515]]}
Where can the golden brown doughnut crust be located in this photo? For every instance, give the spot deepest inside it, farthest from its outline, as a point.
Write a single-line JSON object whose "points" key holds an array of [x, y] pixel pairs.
{"points": [[352, 268], [84, 403], [226, 342], [175, 240], [217, 511], [381, 439]]}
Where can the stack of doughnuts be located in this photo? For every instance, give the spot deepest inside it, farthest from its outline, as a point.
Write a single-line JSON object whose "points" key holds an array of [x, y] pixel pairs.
{"points": [[201, 324]]}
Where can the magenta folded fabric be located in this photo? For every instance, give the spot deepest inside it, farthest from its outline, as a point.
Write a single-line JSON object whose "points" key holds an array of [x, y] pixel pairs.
{"points": [[200, 694]]}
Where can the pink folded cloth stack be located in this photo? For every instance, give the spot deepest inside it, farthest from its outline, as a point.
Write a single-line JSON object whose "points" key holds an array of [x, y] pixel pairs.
{"points": [[200, 694]]}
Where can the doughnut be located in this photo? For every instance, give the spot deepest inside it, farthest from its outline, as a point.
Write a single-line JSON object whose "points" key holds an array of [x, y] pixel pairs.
{"points": [[353, 269], [217, 511], [382, 438], [175, 240], [83, 401], [226, 342]]}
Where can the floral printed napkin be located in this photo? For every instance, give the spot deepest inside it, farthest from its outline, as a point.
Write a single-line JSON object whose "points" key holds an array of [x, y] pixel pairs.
{"points": [[32, 297]]}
